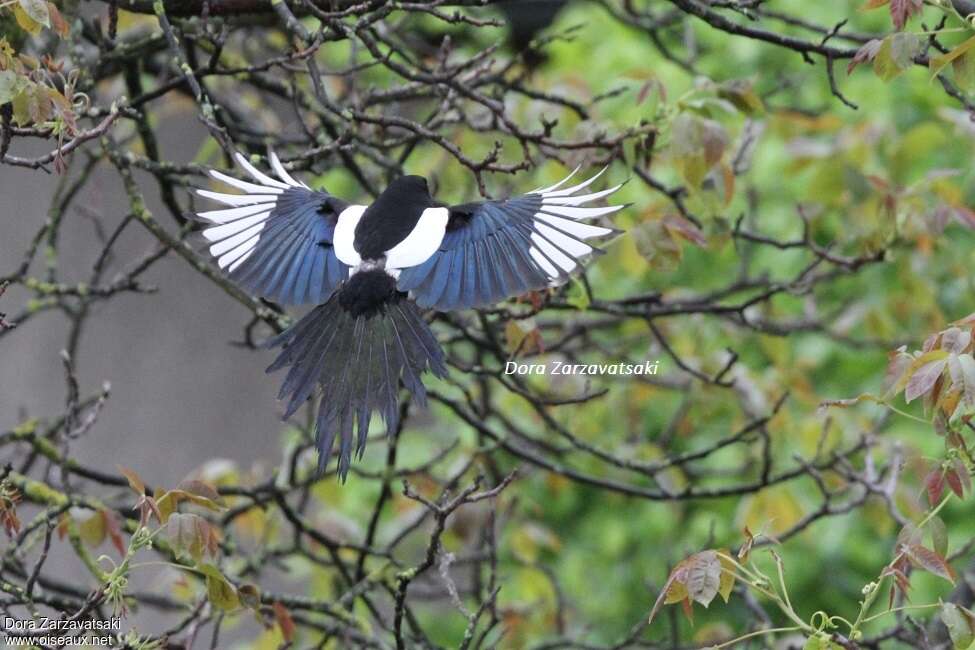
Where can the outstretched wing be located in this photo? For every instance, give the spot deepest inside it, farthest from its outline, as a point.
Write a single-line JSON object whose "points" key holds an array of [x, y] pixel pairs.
{"points": [[275, 239], [494, 250]]}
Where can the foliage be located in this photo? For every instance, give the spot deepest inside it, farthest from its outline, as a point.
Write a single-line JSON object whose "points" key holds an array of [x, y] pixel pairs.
{"points": [[797, 255]]}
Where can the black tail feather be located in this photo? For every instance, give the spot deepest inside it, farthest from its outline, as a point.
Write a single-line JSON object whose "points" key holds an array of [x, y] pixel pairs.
{"points": [[357, 356]]}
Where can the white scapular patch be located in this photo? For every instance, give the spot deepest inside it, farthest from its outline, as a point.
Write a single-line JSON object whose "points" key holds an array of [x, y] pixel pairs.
{"points": [[422, 242], [558, 234], [238, 228], [344, 236]]}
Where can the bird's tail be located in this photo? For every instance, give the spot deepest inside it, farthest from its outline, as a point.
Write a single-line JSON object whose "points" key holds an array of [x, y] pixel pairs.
{"points": [[357, 347]]}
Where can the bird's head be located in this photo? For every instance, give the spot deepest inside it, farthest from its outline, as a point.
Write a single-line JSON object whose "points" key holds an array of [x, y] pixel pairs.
{"points": [[409, 187]]}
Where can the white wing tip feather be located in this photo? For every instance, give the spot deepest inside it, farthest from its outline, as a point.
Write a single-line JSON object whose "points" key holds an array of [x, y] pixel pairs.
{"points": [[542, 190], [236, 230]]}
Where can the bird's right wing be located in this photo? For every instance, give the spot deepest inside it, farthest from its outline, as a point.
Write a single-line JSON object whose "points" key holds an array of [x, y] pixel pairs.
{"points": [[276, 239], [493, 250]]}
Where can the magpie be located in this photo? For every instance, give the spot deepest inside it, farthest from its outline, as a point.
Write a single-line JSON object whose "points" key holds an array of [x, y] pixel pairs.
{"points": [[372, 269]]}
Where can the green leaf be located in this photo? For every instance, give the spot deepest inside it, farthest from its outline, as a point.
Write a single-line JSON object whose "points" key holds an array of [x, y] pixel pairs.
{"points": [[196, 492], [37, 10], [32, 105], [657, 244], [938, 63], [27, 23], [191, 535], [820, 643], [896, 54], [697, 145], [10, 85], [963, 69], [221, 593], [741, 93], [92, 530], [939, 536], [727, 575], [960, 623]]}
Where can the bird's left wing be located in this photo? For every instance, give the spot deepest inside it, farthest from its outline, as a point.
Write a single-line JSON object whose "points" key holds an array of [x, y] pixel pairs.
{"points": [[494, 250], [275, 239]]}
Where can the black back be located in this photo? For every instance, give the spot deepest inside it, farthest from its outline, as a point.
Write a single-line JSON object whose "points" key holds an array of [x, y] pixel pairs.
{"points": [[392, 216]]}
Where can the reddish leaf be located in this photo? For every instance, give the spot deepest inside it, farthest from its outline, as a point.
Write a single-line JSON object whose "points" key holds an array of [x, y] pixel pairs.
{"points": [[923, 379], [961, 368], [58, 23], [200, 489], [192, 535], [147, 507], [703, 576], [684, 228], [9, 519], [934, 483], [902, 10], [697, 578], [898, 363], [868, 52], [954, 482], [285, 622], [955, 340], [962, 472], [672, 592], [135, 481], [930, 561], [114, 529], [897, 571], [746, 548]]}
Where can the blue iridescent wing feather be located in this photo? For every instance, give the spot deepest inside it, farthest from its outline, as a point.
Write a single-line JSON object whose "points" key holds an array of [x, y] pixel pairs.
{"points": [[275, 239], [498, 249]]}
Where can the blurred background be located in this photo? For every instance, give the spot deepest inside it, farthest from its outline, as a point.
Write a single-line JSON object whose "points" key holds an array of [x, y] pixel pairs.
{"points": [[801, 193]]}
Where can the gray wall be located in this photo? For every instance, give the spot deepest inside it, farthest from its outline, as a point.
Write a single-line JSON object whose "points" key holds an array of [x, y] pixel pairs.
{"points": [[181, 393]]}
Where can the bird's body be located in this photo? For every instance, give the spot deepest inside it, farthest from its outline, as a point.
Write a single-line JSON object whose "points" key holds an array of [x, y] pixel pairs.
{"points": [[370, 269]]}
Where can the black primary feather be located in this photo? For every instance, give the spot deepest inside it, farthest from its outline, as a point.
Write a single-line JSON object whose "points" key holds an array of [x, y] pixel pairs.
{"points": [[356, 347]]}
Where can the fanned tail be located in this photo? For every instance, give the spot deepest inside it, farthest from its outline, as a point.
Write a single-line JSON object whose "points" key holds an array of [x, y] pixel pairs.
{"points": [[356, 347]]}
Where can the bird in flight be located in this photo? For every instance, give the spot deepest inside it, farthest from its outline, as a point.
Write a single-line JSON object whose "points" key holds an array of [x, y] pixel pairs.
{"points": [[372, 269]]}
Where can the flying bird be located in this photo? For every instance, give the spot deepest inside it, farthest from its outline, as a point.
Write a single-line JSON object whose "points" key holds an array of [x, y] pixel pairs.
{"points": [[372, 269]]}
